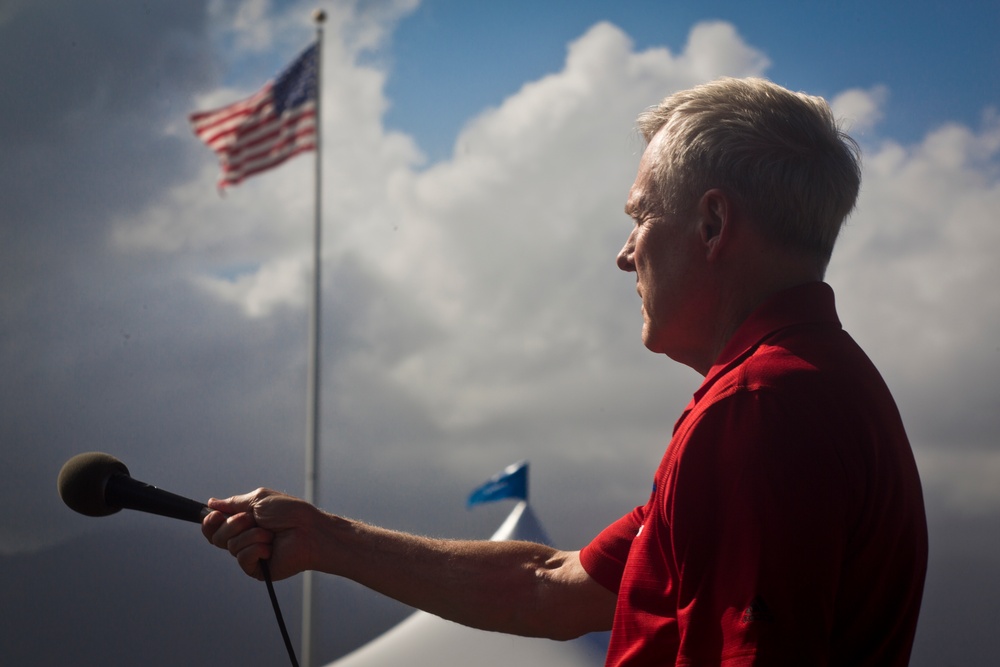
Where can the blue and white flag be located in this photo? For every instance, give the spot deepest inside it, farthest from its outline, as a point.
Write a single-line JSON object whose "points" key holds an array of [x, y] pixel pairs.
{"points": [[511, 483]]}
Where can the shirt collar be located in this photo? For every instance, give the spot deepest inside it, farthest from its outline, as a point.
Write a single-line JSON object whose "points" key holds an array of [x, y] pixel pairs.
{"points": [[811, 303]]}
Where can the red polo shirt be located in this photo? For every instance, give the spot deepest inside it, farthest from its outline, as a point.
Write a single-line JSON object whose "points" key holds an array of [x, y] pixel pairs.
{"points": [[786, 524]]}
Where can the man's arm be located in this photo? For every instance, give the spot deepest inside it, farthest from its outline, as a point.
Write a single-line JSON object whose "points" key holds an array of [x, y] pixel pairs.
{"points": [[515, 587]]}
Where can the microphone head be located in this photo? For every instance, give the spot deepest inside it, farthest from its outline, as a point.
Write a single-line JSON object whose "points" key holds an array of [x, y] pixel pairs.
{"points": [[83, 479]]}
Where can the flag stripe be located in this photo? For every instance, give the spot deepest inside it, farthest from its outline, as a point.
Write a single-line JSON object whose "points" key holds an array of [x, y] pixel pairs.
{"points": [[238, 121], [255, 101], [272, 146], [272, 158], [264, 166], [232, 144], [267, 128]]}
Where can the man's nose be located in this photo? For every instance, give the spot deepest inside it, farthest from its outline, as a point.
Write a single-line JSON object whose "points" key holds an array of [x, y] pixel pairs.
{"points": [[624, 259]]}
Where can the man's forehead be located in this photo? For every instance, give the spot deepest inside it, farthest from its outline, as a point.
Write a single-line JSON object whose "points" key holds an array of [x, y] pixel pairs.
{"points": [[641, 197]]}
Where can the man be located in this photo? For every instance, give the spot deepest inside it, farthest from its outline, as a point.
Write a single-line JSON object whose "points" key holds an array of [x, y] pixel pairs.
{"points": [[786, 522]]}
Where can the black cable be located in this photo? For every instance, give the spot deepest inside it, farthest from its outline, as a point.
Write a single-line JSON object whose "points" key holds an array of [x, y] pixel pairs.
{"points": [[277, 612]]}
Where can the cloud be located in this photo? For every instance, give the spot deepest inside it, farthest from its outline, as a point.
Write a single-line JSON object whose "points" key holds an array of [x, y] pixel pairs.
{"points": [[715, 48], [860, 110], [251, 24], [915, 270], [964, 480], [508, 244], [502, 247]]}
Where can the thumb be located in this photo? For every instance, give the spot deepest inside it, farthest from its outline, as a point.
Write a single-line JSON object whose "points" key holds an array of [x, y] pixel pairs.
{"points": [[239, 503]]}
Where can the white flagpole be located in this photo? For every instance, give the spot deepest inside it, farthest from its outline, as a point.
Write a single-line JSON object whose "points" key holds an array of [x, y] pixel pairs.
{"points": [[313, 378]]}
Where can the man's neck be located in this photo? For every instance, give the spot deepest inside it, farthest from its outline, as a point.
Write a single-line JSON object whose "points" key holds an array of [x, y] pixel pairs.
{"points": [[742, 294]]}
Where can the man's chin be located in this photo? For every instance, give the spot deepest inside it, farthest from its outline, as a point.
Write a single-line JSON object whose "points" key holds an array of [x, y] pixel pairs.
{"points": [[651, 342]]}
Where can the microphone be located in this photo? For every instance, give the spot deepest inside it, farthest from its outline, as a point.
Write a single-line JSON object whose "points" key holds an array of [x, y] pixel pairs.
{"points": [[98, 484]]}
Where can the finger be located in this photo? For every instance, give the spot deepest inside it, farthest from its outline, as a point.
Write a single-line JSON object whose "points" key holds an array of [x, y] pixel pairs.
{"points": [[211, 523], [249, 558], [249, 539], [230, 527], [234, 504]]}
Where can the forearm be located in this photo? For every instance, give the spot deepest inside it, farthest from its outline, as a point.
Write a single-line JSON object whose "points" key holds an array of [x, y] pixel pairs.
{"points": [[514, 587]]}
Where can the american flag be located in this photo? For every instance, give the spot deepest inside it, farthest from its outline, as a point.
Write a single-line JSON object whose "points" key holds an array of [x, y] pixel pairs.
{"points": [[264, 130]]}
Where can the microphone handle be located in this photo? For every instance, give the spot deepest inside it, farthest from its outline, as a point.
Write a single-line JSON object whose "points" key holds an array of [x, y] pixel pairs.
{"points": [[123, 491]]}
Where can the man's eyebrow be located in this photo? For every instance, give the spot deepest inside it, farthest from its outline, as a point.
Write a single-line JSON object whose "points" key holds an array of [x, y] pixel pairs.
{"points": [[637, 206]]}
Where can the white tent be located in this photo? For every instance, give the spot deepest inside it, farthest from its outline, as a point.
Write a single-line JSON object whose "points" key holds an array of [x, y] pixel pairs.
{"points": [[425, 640]]}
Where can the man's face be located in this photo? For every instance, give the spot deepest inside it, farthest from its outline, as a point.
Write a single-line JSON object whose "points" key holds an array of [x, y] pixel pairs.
{"points": [[663, 251]]}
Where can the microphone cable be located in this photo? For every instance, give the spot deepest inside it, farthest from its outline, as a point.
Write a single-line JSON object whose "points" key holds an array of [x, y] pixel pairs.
{"points": [[277, 613]]}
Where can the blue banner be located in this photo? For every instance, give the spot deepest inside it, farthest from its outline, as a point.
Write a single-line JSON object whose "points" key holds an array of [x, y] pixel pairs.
{"points": [[511, 483]]}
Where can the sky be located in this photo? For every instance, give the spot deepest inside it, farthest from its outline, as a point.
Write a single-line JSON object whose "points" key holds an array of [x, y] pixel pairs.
{"points": [[476, 162]]}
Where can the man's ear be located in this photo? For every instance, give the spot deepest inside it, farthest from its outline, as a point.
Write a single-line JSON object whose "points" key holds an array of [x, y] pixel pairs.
{"points": [[715, 221]]}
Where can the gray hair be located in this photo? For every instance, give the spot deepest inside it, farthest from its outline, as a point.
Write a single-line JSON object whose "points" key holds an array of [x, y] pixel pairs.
{"points": [[780, 154]]}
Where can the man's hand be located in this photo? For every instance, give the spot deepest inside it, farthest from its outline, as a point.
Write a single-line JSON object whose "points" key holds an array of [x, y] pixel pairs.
{"points": [[264, 525]]}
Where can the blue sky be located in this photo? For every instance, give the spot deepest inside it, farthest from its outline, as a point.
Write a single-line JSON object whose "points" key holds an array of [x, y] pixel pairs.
{"points": [[478, 157], [939, 59]]}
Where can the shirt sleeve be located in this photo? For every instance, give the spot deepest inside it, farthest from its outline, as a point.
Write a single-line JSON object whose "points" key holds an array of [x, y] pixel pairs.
{"points": [[604, 558]]}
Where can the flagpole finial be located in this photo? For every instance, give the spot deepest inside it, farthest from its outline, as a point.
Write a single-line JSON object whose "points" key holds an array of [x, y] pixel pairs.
{"points": [[319, 16]]}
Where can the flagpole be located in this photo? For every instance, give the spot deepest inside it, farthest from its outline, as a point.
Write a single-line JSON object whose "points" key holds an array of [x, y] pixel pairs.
{"points": [[313, 377]]}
